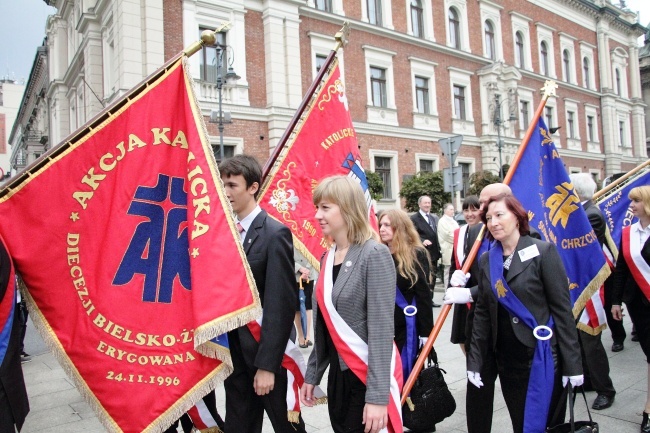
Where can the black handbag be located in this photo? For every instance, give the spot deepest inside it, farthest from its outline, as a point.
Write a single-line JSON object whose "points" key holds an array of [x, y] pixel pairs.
{"points": [[573, 426], [430, 400]]}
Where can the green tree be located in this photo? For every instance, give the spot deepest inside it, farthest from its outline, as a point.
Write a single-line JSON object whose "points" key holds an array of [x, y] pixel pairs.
{"points": [[425, 183], [375, 185], [481, 179]]}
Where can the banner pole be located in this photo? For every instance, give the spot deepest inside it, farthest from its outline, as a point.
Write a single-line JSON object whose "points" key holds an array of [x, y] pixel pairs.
{"points": [[619, 181], [549, 90], [341, 40]]}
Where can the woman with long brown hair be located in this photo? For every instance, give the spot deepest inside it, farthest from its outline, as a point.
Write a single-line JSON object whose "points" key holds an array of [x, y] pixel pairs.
{"points": [[413, 305]]}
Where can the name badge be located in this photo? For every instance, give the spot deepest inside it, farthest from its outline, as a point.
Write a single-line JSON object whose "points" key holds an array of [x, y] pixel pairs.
{"points": [[528, 253]]}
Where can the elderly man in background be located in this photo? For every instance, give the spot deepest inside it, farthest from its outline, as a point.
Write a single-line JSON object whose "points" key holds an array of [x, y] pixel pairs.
{"points": [[446, 227], [426, 224], [594, 358]]}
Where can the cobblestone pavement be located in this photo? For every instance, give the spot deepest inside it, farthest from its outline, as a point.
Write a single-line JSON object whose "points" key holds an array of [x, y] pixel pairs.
{"points": [[56, 406]]}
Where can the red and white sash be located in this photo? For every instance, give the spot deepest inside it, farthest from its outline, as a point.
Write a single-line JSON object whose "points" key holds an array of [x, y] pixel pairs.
{"points": [[459, 245], [294, 363], [631, 246], [353, 349], [202, 418]]}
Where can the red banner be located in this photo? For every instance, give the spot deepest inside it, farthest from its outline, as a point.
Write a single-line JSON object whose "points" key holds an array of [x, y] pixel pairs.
{"points": [[125, 241], [323, 144]]}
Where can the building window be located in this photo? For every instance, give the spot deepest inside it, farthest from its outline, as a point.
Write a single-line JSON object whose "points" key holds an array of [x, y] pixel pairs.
{"points": [[324, 5], [519, 50], [209, 57], [454, 28], [590, 128], [228, 152], [621, 133], [320, 61], [459, 102], [618, 82], [549, 117], [378, 86], [566, 65], [489, 41], [374, 12], [417, 18], [524, 114], [585, 72], [570, 117], [382, 168], [544, 54], [426, 166], [465, 176], [422, 94]]}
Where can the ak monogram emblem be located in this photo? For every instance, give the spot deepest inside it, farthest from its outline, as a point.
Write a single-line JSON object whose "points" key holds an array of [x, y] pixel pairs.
{"points": [[159, 247], [562, 204]]}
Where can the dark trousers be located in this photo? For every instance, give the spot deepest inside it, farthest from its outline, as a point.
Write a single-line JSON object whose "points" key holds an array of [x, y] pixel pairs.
{"points": [[479, 403], [595, 364], [616, 326], [245, 409], [514, 386], [210, 401], [346, 396]]}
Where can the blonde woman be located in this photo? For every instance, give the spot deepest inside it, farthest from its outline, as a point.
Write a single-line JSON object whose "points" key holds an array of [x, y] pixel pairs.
{"points": [[632, 279], [355, 294], [413, 305]]}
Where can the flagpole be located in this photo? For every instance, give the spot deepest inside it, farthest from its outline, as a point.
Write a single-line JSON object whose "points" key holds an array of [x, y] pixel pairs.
{"points": [[549, 90], [341, 40], [620, 181]]}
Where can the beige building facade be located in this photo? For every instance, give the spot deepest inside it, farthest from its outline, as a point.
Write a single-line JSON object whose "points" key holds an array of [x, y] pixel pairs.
{"points": [[416, 71]]}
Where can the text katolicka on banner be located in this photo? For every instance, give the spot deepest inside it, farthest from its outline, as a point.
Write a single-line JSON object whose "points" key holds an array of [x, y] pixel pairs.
{"points": [[323, 144], [133, 267]]}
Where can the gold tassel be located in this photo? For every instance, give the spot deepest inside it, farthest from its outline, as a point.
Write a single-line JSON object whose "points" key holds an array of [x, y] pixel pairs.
{"points": [[293, 416], [410, 404]]}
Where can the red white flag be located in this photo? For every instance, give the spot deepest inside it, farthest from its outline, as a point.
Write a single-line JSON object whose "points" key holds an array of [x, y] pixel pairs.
{"points": [[125, 241], [323, 144]]}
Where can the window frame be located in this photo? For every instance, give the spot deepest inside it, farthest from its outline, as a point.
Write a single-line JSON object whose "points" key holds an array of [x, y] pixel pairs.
{"points": [[489, 39], [454, 29]]}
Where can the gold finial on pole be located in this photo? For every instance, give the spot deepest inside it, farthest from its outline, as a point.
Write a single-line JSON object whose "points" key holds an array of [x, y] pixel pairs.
{"points": [[342, 36], [549, 88], [208, 37]]}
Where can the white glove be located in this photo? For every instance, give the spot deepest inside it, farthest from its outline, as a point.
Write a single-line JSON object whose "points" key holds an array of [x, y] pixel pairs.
{"points": [[458, 279], [575, 380], [475, 378], [423, 341], [457, 295]]}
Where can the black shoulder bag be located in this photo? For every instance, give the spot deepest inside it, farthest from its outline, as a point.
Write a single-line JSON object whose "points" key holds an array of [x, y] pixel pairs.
{"points": [[573, 426], [430, 401]]}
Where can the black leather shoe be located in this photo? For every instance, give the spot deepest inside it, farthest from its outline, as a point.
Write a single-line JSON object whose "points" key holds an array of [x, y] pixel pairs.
{"points": [[617, 347], [635, 337], [645, 424], [436, 305], [602, 402]]}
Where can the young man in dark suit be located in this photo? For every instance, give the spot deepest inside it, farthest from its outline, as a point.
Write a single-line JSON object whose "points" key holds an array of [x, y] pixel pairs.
{"points": [[259, 382], [14, 404], [426, 224]]}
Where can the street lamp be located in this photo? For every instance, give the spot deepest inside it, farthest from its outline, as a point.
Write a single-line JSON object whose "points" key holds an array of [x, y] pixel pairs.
{"points": [[498, 123], [229, 79]]}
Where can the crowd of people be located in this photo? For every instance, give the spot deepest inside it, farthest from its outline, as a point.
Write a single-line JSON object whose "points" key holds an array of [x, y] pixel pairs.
{"points": [[371, 309]]}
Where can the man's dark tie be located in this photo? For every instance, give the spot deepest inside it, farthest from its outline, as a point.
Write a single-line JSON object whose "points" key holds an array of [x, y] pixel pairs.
{"points": [[430, 220]]}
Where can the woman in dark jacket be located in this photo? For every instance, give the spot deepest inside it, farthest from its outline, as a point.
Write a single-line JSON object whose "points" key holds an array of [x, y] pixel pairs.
{"points": [[523, 316], [413, 305], [632, 278]]}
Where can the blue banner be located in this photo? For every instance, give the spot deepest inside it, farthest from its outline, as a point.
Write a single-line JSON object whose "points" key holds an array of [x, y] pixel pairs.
{"points": [[616, 207], [542, 185]]}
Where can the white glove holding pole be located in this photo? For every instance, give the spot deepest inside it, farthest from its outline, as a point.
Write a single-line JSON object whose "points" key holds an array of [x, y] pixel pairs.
{"points": [[475, 378], [575, 380], [457, 295], [459, 279]]}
